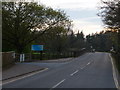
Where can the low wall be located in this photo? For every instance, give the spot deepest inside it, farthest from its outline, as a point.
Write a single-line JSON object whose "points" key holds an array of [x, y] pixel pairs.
{"points": [[8, 59]]}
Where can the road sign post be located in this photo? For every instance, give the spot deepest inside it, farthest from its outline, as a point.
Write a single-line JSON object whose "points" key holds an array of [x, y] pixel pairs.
{"points": [[38, 48]]}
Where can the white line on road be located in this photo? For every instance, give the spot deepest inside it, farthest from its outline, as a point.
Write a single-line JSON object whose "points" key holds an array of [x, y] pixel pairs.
{"points": [[88, 63], [74, 73], [83, 67], [21, 77], [59, 83]]}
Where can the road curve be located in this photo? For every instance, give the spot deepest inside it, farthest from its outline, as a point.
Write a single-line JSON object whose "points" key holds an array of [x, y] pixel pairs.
{"points": [[91, 70]]}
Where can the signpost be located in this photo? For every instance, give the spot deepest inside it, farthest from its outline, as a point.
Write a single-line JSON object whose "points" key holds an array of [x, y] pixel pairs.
{"points": [[38, 48]]}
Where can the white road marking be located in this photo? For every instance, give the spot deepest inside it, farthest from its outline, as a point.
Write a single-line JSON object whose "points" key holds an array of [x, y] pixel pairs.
{"points": [[83, 67], [59, 83], [114, 73], [74, 73], [88, 63], [21, 77]]}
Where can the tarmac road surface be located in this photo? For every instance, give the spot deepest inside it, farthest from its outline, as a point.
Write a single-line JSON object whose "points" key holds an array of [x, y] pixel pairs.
{"points": [[91, 70]]}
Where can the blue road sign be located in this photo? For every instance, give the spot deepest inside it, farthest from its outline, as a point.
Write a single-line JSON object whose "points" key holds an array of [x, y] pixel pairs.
{"points": [[37, 47]]}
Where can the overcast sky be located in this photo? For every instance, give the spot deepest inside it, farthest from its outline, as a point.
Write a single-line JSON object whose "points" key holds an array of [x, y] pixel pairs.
{"points": [[82, 12]]}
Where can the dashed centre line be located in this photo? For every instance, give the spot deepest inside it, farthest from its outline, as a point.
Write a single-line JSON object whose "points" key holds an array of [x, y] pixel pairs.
{"points": [[83, 67], [74, 73], [59, 83], [88, 63]]}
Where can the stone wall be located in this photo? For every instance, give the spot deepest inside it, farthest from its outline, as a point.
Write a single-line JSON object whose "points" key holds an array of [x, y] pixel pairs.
{"points": [[8, 58]]}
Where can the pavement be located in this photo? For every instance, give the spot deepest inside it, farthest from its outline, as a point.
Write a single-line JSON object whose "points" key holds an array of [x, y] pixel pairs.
{"points": [[91, 70], [20, 69]]}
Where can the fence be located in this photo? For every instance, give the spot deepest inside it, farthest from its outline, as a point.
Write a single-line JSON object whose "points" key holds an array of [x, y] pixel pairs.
{"points": [[8, 58], [53, 55], [33, 56], [43, 56], [50, 55]]}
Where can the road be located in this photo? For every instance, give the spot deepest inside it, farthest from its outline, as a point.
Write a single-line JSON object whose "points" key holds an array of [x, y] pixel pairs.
{"points": [[91, 70]]}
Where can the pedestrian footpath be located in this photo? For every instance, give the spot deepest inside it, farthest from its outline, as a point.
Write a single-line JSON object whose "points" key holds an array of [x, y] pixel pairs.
{"points": [[19, 69]]}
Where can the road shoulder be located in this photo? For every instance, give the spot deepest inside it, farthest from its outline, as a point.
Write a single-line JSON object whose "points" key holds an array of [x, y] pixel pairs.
{"points": [[115, 73]]}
